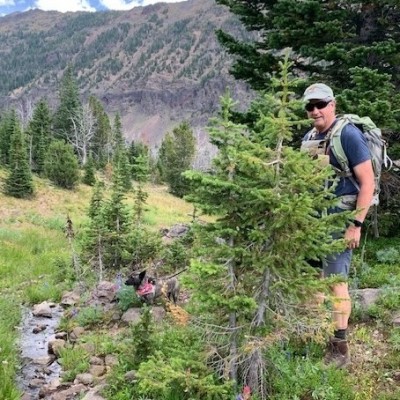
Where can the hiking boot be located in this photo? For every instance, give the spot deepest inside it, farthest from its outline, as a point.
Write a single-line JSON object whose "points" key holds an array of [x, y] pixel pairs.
{"points": [[338, 353]]}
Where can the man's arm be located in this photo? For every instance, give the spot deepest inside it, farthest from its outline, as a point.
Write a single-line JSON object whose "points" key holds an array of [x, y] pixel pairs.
{"points": [[365, 176]]}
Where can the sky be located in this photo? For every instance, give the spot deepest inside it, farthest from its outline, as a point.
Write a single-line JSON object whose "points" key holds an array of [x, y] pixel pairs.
{"points": [[10, 6]]}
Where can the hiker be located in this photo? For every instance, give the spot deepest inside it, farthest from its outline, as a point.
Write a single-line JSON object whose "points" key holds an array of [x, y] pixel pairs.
{"points": [[320, 106], [245, 395]]}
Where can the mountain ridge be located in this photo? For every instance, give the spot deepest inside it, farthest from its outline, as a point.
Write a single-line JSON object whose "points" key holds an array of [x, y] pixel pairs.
{"points": [[155, 65]]}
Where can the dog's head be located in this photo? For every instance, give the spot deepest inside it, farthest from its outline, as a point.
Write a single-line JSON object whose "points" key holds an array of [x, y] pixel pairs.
{"points": [[136, 280]]}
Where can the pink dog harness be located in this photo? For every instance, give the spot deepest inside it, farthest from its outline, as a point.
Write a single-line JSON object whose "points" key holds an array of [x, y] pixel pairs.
{"points": [[147, 288]]}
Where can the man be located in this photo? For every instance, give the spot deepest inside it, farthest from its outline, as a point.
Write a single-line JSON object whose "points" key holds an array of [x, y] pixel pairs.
{"points": [[321, 108]]}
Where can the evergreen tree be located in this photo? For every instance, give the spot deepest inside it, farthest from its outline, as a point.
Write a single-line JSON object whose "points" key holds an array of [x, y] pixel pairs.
{"points": [[117, 224], [70, 105], [141, 172], [101, 143], [39, 134], [94, 239], [135, 151], [19, 182], [89, 177], [327, 38], [118, 137], [176, 156], [9, 124], [120, 159], [268, 200], [61, 165]]}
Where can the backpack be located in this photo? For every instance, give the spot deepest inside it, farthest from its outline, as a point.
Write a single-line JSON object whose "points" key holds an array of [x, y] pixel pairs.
{"points": [[377, 147]]}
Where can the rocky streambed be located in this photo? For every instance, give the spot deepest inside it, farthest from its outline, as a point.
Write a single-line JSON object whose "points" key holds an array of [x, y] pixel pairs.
{"points": [[41, 375]]}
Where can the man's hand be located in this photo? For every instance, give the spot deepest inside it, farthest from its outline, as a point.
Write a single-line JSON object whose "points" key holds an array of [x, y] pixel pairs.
{"points": [[352, 237]]}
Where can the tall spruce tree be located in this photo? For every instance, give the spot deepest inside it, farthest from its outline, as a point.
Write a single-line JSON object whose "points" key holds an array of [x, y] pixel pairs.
{"points": [[94, 239], [39, 135], [69, 106], [19, 182], [141, 171], [176, 156], [120, 156], [268, 200], [101, 143], [117, 224]]}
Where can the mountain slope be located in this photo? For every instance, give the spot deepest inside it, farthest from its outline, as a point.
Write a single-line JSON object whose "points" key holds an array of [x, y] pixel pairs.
{"points": [[156, 65]]}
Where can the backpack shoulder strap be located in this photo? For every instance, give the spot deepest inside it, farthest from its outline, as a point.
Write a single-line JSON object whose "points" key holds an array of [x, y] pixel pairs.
{"points": [[336, 144], [310, 134]]}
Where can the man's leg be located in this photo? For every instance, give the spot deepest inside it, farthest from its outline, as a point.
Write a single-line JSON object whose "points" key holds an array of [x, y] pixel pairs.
{"points": [[339, 264], [341, 305]]}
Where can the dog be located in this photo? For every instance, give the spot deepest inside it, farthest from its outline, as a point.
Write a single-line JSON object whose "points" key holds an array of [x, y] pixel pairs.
{"points": [[149, 289]]}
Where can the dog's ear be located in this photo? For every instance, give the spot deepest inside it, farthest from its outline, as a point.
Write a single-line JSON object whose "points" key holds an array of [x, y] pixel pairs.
{"points": [[142, 275]]}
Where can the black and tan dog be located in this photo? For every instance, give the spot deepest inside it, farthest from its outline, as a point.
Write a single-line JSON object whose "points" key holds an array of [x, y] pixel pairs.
{"points": [[148, 288]]}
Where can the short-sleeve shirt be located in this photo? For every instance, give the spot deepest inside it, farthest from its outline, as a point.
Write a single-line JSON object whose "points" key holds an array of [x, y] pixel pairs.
{"points": [[357, 151]]}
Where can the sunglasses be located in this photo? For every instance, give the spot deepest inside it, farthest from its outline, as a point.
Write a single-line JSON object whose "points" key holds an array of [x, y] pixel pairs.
{"points": [[320, 105]]}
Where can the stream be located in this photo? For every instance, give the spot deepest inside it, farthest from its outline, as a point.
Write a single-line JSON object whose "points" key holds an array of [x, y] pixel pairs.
{"points": [[38, 368]]}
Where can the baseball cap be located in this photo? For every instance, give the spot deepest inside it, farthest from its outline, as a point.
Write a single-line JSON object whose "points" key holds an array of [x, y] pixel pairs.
{"points": [[318, 91]]}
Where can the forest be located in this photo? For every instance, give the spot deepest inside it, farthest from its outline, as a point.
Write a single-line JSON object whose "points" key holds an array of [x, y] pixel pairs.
{"points": [[83, 207]]}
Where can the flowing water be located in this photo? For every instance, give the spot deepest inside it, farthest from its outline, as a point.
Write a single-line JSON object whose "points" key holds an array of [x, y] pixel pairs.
{"points": [[37, 367]]}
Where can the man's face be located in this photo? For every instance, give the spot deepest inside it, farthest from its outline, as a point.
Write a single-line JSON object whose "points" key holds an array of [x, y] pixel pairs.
{"points": [[322, 112]]}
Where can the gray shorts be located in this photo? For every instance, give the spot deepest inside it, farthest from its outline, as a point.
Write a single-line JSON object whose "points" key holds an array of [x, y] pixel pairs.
{"points": [[337, 264]]}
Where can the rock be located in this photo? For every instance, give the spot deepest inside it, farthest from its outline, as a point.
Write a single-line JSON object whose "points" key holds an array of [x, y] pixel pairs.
{"points": [[85, 379], [54, 346], [93, 394], [77, 332], [396, 319], [96, 361], [111, 360], [97, 370], [70, 299], [61, 335], [37, 382], [130, 376], [27, 396], [38, 328], [88, 348], [366, 297], [158, 313], [396, 375], [47, 360], [69, 393], [42, 310], [131, 316], [105, 291]]}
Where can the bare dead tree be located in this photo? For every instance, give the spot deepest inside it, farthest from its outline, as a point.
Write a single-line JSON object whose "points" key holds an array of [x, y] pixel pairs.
{"points": [[83, 130], [25, 111]]}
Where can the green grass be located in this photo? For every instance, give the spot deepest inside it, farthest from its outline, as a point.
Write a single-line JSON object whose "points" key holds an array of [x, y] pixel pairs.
{"points": [[74, 361]]}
